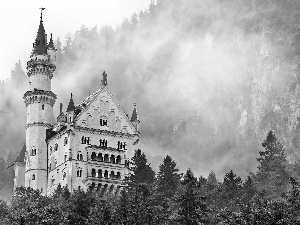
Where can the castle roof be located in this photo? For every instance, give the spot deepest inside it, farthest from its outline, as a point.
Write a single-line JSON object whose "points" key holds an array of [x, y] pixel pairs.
{"points": [[71, 105], [51, 44], [134, 116], [21, 155], [40, 44]]}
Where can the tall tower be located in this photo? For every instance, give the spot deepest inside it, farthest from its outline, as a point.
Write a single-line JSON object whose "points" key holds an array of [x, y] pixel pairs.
{"points": [[39, 100]]}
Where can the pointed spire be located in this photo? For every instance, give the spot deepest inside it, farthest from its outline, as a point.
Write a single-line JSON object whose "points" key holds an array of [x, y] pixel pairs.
{"points": [[104, 79], [71, 105], [40, 40], [51, 44], [135, 116]]}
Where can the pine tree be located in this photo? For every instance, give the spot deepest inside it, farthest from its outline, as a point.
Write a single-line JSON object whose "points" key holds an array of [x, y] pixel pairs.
{"points": [[232, 185], [142, 173], [167, 178], [192, 206], [272, 175], [248, 190]]}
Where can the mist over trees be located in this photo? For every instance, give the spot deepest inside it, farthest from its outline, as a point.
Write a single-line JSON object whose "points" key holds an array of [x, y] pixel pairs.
{"points": [[210, 79]]}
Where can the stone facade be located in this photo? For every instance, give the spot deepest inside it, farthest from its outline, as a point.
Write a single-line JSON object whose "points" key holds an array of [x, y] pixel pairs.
{"points": [[88, 146]]}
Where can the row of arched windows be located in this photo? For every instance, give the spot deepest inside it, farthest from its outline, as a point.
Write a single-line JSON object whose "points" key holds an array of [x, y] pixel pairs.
{"points": [[105, 174], [40, 99], [104, 188], [106, 158]]}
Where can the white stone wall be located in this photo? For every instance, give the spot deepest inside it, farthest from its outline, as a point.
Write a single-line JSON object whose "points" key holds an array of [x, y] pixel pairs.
{"points": [[19, 179], [35, 113], [40, 81]]}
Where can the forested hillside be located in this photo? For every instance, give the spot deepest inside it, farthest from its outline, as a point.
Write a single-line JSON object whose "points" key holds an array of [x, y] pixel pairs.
{"points": [[210, 79]]}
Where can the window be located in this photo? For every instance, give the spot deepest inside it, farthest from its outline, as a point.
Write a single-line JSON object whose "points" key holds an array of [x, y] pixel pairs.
{"points": [[55, 147], [33, 176], [103, 143], [103, 122], [79, 157], [64, 175], [85, 140], [79, 173], [122, 145], [65, 157], [66, 141], [43, 107], [93, 173], [33, 151], [50, 150], [93, 156]]}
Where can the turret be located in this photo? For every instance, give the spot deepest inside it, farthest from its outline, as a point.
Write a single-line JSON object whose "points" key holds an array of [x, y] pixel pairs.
{"points": [[135, 118], [39, 100], [70, 110]]}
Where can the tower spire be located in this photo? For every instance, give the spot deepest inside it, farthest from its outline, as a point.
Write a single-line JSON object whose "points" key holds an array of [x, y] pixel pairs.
{"points": [[40, 43], [71, 105]]}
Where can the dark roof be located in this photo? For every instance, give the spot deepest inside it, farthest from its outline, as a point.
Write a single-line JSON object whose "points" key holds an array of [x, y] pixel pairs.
{"points": [[134, 116], [40, 44], [21, 155], [71, 105], [51, 44]]}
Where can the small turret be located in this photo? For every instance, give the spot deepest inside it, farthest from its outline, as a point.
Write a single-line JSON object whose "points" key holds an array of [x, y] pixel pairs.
{"points": [[61, 119], [135, 118], [104, 79], [70, 110]]}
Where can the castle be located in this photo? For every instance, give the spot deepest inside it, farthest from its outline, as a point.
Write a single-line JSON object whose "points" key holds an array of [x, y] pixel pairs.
{"points": [[86, 147]]}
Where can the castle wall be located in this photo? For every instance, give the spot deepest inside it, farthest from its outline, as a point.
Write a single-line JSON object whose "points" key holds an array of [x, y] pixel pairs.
{"points": [[19, 179]]}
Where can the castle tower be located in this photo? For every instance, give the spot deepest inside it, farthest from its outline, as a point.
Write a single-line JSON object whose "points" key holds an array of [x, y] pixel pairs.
{"points": [[39, 100]]}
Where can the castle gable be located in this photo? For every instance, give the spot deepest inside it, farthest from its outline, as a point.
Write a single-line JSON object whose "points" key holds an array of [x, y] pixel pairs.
{"points": [[101, 111]]}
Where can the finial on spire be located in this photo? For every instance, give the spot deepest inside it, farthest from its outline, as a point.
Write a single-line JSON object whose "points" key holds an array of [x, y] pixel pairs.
{"points": [[104, 79], [71, 96], [42, 13]]}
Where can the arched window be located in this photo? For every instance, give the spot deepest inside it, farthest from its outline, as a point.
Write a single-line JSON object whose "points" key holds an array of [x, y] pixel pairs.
{"points": [[55, 147], [122, 145], [99, 187], [93, 157], [100, 173], [33, 176], [79, 173], [106, 159], [106, 174], [118, 159], [112, 159], [112, 175], [43, 107], [99, 157], [118, 175], [79, 157], [93, 173]]}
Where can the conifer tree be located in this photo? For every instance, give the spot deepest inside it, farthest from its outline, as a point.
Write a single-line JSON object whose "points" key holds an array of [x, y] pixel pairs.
{"points": [[248, 189], [192, 206], [272, 175], [167, 178]]}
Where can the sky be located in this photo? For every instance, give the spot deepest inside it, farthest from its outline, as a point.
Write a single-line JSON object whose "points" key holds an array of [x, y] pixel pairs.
{"points": [[19, 21]]}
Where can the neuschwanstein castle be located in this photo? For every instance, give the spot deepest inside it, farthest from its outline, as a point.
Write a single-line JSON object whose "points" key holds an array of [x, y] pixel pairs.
{"points": [[86, 147]]}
